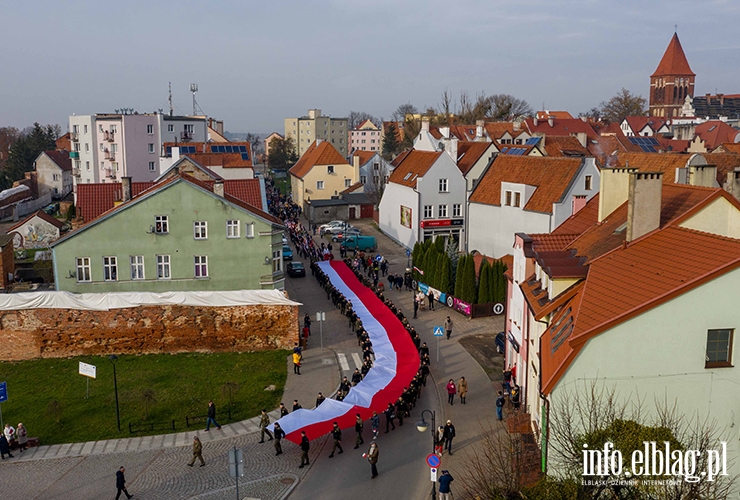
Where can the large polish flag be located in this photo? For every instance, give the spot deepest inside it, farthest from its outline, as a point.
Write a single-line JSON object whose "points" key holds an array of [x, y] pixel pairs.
{"points": [[396, 363]]}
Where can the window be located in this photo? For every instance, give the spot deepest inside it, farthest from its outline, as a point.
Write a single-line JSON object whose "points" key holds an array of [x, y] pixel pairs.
{"points": [[319, 184], [443, 186], [457, 210], [114, 166], [200, 230], [75, 129], [161, 224], [137, 267], [152, 166], [201, 266], [363, 179], [442, 211], [151, 148], [100, 128], [85, 128], [587, 183], [87, 147], [102, 165], [232, 228], [83, 269], [76, 146], [114, 148], [110, 268], [113, 129], [189, 128], [277, 261], [55, 177], [508, 198], [87, 166], [150, 129], [517, 199], [249, 229], [330, 169], [428, 212], [78, 163], [719, 348], [347, 182], [163, 267], [170, 128], [102, 148]]}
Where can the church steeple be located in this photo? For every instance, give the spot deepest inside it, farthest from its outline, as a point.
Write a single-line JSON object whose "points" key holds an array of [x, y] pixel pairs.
{"points": [[671, 82]]}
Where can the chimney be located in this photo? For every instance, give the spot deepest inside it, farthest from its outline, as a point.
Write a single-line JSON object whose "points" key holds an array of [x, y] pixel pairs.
{"points": [[318, 141], [451, 147], [218, 187], [445, 131], [479, 124], [425, 124], [356, 168], [643, 207], [721, 98], [703, 175], [550, 120], [613, 189], [535, 120], [709, 99], [125, 189], [518, 125], [733, 183]]}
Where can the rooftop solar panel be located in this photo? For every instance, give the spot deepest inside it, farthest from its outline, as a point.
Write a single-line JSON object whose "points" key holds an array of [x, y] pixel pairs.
{"points": [[242, 149], [245, 156]]}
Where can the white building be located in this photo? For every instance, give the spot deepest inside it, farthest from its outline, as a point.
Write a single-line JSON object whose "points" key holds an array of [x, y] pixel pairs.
{"points": [[374, 170], [54, 174]]}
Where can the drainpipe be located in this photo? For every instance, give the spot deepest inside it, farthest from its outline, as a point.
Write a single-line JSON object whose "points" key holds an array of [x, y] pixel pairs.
{"points": [[543, 397]]}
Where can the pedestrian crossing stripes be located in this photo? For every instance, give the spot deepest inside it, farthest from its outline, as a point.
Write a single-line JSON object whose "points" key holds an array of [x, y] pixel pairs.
{"points": [[344, 363]]}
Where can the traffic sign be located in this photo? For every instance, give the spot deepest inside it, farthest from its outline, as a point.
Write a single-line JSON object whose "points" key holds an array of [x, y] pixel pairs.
{"points": [[439, 331], [434, 474], [236, 462], [408, 252], [3, 392], [498, 308], [433, 460]]}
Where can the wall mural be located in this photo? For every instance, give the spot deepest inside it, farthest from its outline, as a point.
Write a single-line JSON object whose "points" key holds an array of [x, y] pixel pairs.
{"points": [[35, 235]]}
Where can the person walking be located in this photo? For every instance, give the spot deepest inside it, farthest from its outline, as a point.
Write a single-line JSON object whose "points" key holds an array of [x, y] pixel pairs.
{"points": [[359, 425], [121, 483], [372, 457], [279, 435], [22, 436], [451, 391], [449, 434], [462, 389], [305, 446], [320, 399], [297, 363], [307, 323], [296, 406], [4, 447], [197, 452], [356, 377], [264, 422], [336, 434], [283, 410], [431, 300], [212, 417], [444, 485], [516, 395], [375, 422], [439, 440], [448, 327], [500, 401], [390, 415], [416, 306]]}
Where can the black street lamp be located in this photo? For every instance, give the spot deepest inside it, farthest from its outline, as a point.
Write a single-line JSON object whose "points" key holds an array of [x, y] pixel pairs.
{"points": [[113, 358], [422, 426]]}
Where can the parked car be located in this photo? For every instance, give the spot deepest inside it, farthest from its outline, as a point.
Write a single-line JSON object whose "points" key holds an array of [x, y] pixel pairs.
{"points": [[287, 253], [500, 342], [349, 232], [366, 243], [285, 240], [296, 269], [334, 223], [338, 229]]}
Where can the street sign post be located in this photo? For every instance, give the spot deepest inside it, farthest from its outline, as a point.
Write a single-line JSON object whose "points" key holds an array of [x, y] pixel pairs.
{"points": [[88, 371], [434, 474], [3, 398], [236, 466], [433, 460], [321, 317], [438, 332]]}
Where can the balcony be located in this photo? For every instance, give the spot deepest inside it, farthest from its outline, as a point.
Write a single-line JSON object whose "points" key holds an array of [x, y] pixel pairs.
{"points": [[110, 155], [110, 136], [76, 172], [110, 173], [74, 155], [186, 136], [74, 136]]}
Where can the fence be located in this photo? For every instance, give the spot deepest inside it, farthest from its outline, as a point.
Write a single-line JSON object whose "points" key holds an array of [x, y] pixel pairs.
{"points": [[134, 427], [202, 418]]}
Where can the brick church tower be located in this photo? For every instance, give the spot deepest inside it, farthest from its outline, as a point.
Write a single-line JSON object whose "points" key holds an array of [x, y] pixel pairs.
{"points": [[672, 81]]}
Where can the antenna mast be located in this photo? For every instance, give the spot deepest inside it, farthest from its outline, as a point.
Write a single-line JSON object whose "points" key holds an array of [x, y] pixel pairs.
{"points": [[170, 99], [196, 108]]}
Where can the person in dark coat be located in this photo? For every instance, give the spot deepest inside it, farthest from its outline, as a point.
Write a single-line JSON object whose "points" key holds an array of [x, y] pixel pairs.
{"points": [[305, 446], [320, 399], [372, 456], [431, 300], [359, 424], [444, 485], [212, 417], [336, 434], [121, 483], [449, 434], [296, 406], [279, 435], [4, 446], [283, 410], [356, 377], [390, 416]]}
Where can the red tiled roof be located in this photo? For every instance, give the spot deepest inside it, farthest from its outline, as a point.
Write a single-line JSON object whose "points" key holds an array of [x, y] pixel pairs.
{"points": [[654, 162], [603, 146], [61, 158], [562, 126], [581, 220], [728, 147], [478, 257], [401, 156], [496, 129], [317, 154], [65, 142], [468, 154], [725, 162], [563, 146], [551, 242], [365, 156], [673, 145], [551, 176], [542, 115], [354, 187], [715, 132], [414, 165], [41, 215], [674, 62]]}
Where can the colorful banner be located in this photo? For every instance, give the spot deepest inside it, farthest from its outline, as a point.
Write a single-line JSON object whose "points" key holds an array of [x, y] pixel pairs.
{"points": [[406, 216], [396, 363]]}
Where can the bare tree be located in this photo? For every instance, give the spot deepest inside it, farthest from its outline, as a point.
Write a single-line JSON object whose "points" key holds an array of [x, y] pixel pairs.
{"points": [[356, 118], [148, 398], [255, 142], [445, 108], [621, 105], [404, 110], [507, 107]]}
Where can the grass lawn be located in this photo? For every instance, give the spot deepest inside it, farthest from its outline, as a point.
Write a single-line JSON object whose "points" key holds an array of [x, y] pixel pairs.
{"points": [[171, 386], [283, 185]]}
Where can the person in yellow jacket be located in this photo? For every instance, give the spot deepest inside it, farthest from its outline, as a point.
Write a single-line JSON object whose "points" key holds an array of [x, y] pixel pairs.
{"points": [[297, 363], [462, 389]]}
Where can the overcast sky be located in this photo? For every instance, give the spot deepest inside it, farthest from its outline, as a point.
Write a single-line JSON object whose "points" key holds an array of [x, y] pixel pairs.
{"points": [[259, 62]]}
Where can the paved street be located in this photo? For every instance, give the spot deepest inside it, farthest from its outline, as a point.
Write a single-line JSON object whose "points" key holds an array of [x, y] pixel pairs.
{"points": [[156, 465]]}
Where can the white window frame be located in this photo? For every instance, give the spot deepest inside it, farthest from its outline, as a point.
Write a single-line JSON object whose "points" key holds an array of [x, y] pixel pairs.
{"points": [[347, 183], [249, 230], [428, 211], [150, 147], [110, 268], [517, 199], [277, 260], [457, 210], [507, 199], [164, 267], [161, 224], [200, 230], [189, 128], [152, 166], [170, 128], [136, 264], [83, 270], [444, 186], [442, 211], [233, 228], [150, 129], [319, 185], [200, 269]]}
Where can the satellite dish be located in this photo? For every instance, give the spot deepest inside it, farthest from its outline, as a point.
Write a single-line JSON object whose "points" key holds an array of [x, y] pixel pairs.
{"points": [[441, 146]]}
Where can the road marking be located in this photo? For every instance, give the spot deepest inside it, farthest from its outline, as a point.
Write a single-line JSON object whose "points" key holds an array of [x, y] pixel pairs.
{"points": [[356, 358], [343, 362]]}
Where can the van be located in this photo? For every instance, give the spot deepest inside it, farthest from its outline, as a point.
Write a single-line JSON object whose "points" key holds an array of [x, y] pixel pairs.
{"points": [[366, 243]]}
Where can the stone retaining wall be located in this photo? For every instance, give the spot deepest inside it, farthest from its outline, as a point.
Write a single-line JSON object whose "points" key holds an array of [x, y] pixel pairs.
{"points": [[59, 333]]}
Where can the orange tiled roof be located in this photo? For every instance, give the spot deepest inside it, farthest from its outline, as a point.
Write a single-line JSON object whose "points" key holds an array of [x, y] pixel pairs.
{"points": [[413, 165], [674, 62], [317, 154], [564, 146], [729, 147], [542, 115], [468, 154], [581, 220], [654, 162], [365, 156], [551, 242], [562, 126], [496, 129], [354, 187], [551, 176], [715, 132], [673, 145], [478, 257], [725, 162]]}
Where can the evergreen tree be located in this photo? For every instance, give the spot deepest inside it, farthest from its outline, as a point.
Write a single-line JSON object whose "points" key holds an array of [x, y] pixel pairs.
{"points": [[470, 287], [391, 144], [460, 278], [25, 150], [500, 292], [439, 243], [454, 255], [443, 273], [430, 261], [484, 283]]}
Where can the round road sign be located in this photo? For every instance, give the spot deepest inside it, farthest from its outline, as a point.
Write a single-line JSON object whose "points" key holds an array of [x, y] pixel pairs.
{"points": [[433, 460], [498, 308]]}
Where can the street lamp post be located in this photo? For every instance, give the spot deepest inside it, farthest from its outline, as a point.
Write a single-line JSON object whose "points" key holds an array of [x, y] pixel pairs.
{"points": [[422, 426], [113, 358]]}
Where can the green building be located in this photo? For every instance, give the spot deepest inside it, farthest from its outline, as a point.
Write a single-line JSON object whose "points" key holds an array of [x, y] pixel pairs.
{"points": [[181, 234]]}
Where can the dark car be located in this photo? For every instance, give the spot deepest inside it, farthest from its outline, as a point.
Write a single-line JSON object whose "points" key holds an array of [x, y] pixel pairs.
{"points": [[500, 342], [296, 269]]}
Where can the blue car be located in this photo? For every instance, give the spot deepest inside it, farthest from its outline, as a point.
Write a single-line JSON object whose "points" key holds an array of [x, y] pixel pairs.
{"points": [[287, 253]]}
